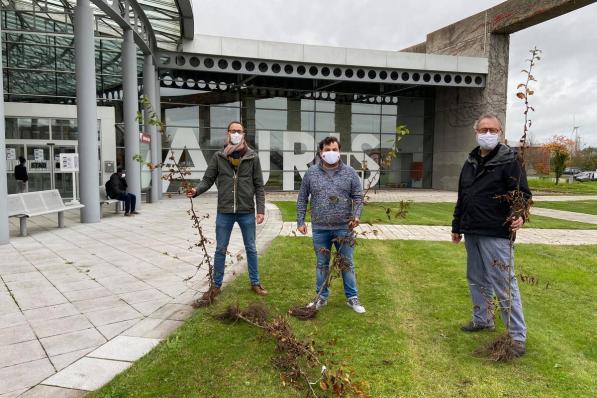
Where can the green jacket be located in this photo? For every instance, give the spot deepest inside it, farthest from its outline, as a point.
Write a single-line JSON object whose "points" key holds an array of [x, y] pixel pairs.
{"points": [[236, 189]]}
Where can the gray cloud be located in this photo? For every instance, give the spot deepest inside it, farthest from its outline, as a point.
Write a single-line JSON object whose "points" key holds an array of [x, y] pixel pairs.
{"points": [[567, 73]]}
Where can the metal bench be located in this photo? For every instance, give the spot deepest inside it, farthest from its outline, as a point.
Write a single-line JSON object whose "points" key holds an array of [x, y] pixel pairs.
{"points": [[31, 204], [105, 200]]}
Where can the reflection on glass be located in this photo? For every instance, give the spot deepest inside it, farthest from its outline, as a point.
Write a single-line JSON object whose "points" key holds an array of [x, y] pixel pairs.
{"points": [[64, 129]]}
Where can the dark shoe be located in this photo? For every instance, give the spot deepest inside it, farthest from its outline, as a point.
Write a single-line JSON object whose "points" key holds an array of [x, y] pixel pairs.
{"points": [[207, 298], [135, 212], [473, 327], [127, 214], [259, 290], [519, 348]]}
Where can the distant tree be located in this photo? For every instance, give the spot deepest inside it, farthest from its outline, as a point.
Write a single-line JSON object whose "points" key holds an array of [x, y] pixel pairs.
{"points": [[559, 148], [586, 158]]}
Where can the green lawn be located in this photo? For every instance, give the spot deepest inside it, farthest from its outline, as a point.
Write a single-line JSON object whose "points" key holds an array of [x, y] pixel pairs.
{"points": [[408, 344], [428, 214], [539, 186], [584, 206]]}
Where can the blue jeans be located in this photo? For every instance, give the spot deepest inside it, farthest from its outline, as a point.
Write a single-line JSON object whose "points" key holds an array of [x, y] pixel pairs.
{"points": [[130, 201], [224, 224], [488, 272], [322, 243]]}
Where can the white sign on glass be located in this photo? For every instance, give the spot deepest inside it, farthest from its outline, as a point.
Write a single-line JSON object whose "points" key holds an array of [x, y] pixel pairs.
{"points": [[69, 162], [38, 155], [11, 154]]}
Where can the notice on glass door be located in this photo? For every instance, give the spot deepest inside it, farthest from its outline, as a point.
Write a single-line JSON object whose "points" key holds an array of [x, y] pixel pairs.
{"points": [[11, 154], [38, 155], [69, 162]]}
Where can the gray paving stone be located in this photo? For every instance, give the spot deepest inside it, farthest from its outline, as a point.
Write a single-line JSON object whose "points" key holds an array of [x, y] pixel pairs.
{"points": [[68, 342], [35, 298], [25, 375], [176, 312], [112, 330], [81, 284], [87, 294], [125, 348], [41, 391], [51, 312], [87, 374], [143, 295], [111, 315], [153, 328], [11, 319], [7, 304], [13, 394], [16, 334], [51, 327], [98, 304], [15, 354], [147, 308], [63, 360]]}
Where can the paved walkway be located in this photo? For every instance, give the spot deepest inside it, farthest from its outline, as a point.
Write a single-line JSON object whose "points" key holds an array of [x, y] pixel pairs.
{"points": [[442, 233], [78, 305], [429, 196], [565, 215]]}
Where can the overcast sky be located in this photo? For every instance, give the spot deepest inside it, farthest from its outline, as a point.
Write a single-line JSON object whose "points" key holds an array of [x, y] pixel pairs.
{"points": [[567, 73]]}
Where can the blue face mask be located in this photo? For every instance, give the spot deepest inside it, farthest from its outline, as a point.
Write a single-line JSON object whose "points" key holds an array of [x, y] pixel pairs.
{"points": [[488, 141]]}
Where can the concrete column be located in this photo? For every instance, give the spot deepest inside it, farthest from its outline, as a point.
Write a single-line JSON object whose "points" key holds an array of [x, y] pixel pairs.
{"points": [[149, 92], [343, 123], [456, 110], [86, 112], [158, 111], [3, 189], [129, 113], [248, 118]]}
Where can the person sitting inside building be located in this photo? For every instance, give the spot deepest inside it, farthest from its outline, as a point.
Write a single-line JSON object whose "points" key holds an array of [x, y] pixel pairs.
{"points": [[21, 176], [116, 189]]}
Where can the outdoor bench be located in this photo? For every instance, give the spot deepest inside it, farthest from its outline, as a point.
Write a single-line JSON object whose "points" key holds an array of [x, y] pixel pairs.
{"points": [[31, 204]]}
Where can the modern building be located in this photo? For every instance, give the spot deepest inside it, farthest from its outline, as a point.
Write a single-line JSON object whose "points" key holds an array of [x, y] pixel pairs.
{"points": [[75, 74]]}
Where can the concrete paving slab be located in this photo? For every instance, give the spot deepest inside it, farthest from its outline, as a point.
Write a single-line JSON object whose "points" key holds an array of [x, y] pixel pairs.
{"points": [[112, 330], [144, 295], [16, 334], [63, 360], [41, 391], [35, 298], [25, 375], [125, 348], [176, 312], [87, 374], [15, 354], [51, 312], [153, 328], [147, 308], [98, 304], [74, 341], [123, 312], [51, 327], [87, 294]]}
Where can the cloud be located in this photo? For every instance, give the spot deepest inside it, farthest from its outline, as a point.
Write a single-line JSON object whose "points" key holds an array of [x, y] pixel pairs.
{"points": [[566, 73]]}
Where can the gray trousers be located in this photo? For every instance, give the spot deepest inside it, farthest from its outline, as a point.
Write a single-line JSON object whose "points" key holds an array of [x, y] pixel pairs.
{"points": [[22, 186], [488, 273]]}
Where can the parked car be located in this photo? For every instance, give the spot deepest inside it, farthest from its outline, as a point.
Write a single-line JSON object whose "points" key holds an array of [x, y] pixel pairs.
{"points": [[586, 176], [570, 171]]}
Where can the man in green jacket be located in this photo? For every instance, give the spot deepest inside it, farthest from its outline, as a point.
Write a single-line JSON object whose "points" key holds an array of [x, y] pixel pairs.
{"points": [[237, 173]]}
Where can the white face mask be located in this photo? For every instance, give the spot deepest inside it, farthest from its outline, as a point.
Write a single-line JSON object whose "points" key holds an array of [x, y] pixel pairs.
{"points": [[330, 157], [236, 138], [488, 141], [123, 175]]}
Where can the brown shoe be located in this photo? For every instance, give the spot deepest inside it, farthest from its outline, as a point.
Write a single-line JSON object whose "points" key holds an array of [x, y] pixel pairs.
{"points": [[259, 290], [207, 298]]}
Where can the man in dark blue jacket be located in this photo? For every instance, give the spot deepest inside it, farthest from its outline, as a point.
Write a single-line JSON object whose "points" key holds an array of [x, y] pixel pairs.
{"points": [[485, 218]]}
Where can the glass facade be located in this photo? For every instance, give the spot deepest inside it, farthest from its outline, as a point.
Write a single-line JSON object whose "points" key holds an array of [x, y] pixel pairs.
{"points": [[285, 126], [41, 141]]}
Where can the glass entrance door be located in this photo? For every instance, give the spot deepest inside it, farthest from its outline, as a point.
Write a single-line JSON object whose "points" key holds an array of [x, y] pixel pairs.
{"points": [[63, 181]]}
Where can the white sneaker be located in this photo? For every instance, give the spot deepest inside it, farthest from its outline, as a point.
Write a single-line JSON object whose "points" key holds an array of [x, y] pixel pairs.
{"points": [[353, 303], [317, 303]]}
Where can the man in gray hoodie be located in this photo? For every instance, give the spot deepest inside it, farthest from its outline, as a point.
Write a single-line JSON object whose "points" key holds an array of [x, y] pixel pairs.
{"points": [[336, 202]]}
